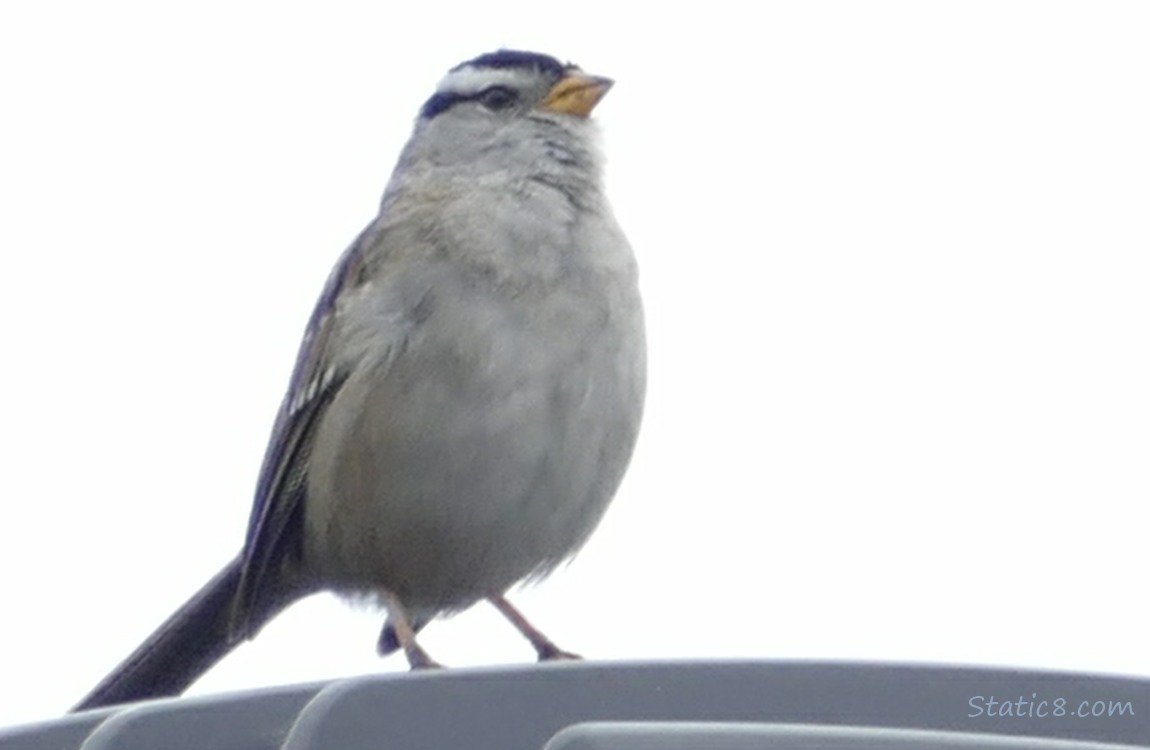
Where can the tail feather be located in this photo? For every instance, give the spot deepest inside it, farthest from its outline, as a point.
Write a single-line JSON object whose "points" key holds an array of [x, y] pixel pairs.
{"points": [[188, 644]]}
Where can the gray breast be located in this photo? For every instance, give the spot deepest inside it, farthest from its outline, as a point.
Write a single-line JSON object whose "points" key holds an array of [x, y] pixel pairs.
{"points": [[485, 447]]}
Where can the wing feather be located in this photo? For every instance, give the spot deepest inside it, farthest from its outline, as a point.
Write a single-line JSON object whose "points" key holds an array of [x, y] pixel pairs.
{"points": [[274, 538]]}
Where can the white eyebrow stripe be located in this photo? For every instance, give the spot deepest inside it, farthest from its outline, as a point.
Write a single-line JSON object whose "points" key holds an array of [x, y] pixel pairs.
{"points": [[468, 80]]}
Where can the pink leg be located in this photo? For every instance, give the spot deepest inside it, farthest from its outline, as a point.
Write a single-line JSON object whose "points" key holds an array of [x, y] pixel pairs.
{"points": [[405, 634], [547, 650]]}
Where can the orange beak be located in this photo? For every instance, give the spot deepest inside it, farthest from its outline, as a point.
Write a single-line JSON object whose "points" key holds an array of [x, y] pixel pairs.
{"points": [[576, 94]]}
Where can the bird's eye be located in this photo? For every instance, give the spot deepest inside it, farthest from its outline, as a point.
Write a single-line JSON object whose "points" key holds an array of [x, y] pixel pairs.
{"points": [[498, 98]]}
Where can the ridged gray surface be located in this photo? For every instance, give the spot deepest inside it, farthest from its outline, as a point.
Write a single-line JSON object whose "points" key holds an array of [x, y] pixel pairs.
{"points": [[523, 708]]}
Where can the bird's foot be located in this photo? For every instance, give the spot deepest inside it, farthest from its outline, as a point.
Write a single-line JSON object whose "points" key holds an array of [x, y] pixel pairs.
{"points": [[420, 659], [550, 652]]}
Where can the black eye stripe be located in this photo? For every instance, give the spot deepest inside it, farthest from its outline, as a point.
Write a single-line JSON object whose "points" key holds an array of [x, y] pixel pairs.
{"points": [[492, 97], [497, 97], [439, 103], [505, 59]]}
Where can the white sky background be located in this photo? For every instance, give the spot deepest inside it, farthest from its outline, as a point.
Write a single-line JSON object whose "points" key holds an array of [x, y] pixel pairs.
{"points": [[896, 258]]}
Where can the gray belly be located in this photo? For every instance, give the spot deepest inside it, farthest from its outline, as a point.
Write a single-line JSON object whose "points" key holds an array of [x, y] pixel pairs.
{"points": [[483, 451]]}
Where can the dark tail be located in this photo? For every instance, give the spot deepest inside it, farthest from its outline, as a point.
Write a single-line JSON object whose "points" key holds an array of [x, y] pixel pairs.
{"points": [[188, 644]]}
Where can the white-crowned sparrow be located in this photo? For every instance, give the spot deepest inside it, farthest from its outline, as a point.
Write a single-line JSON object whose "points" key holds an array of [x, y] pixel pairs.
{"points": [[468, 391]]}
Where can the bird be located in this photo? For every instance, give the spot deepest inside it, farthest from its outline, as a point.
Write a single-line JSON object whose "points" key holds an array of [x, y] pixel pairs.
{"points": [[468, 392]]}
